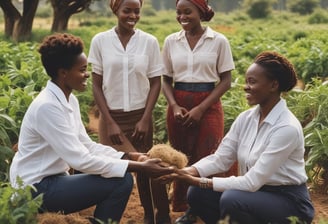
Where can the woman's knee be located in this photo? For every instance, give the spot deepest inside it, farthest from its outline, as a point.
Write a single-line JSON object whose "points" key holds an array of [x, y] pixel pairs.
{"points": [[194, 195], [127, 182], [229, 200]]}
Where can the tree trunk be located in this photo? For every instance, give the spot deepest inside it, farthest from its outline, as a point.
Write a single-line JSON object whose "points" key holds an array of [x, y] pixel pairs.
{"points": [[11, 16], [23, 29], [63, 10], [18, 26]]}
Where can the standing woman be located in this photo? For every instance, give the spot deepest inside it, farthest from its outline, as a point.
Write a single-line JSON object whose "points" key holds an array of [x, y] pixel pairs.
{"points": [[198, 63], [126, 74]]}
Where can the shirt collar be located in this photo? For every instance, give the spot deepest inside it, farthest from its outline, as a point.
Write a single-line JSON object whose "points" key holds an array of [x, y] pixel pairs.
{"points": [[274, 114], [209, 33], [59, 94]]}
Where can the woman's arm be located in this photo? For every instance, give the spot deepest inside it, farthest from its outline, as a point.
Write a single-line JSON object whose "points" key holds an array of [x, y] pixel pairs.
{"points": [[113, 129], [142, 127]]}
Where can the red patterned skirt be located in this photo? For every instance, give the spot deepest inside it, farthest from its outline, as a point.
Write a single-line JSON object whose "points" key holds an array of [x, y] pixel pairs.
{"points": [[196, 142]]}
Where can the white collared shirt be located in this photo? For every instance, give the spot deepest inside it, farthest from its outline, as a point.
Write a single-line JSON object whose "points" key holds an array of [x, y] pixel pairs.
{"points": [[210, 57], [53, 139], [271, 154], [125, 72]]}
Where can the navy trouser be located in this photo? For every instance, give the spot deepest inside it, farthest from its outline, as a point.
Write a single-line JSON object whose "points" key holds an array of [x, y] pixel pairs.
{"points": [[274, 205], [72, 193]]}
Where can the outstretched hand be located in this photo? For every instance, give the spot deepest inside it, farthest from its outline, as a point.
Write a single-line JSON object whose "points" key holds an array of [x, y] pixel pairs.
{"points": [[186, 174], [155, 168]]}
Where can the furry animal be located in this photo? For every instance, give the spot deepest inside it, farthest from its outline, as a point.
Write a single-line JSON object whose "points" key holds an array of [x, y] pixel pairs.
{"points": [[168, 155]]}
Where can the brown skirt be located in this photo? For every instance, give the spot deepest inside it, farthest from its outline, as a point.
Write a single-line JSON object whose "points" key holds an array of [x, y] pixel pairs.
{"points": [[127, 122]]}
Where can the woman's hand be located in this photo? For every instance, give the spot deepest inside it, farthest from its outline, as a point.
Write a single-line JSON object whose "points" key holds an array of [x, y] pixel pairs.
{"points": [[114, 133], [193, 117], [187, 174], [179, 113], [141, 130], [155, 168]]}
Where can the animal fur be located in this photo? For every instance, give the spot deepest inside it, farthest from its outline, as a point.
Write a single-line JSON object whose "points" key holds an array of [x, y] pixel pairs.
{"points": [[168, 155]]}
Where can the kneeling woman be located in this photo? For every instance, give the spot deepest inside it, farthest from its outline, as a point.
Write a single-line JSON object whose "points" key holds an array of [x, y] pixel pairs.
{"points": [[268, 143]]}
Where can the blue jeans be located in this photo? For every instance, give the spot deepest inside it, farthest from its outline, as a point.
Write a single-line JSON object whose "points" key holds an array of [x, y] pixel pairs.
{"points": [[72, 193], [268, 205]]}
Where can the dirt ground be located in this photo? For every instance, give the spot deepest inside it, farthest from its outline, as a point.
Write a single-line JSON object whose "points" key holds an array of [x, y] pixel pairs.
{"points": [[134, 212]]}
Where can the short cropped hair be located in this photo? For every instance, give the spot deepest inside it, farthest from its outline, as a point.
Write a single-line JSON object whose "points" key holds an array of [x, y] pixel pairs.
{"points": [[59, 50]]}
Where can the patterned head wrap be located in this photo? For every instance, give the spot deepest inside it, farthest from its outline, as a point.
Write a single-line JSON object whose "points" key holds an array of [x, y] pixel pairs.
{"points": [[115, 4], [202, 5]]}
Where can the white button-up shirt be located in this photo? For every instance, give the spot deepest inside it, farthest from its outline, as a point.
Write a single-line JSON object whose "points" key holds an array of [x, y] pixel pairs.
{"points": [[125, 72], [271, 154], [52, 139], [210, 57]]}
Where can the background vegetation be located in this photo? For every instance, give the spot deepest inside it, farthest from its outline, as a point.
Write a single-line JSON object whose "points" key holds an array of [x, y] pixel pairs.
{"points": [[301, 36]]}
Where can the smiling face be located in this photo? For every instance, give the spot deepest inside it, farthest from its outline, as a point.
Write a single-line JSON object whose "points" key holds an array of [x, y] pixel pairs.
{"points": [[128, 14], [188, 15], [259, 88], [75, 78]]}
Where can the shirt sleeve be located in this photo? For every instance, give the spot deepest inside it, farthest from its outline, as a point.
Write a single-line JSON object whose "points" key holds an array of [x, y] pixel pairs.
{"points": [[225, 60], [283, 141], [156, 64], [81, 154], [94, 57], [168, 69]]}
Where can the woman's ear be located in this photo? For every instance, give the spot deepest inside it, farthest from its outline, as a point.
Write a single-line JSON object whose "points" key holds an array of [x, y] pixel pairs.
{"points": [[62, 73], [275, 85]]}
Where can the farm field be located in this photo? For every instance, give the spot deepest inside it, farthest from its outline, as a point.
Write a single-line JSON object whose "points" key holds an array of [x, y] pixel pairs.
{"points": [[303, 42]]}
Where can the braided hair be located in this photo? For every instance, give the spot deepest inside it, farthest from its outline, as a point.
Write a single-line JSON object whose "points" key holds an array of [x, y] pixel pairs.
{"points": [[278, 68]]}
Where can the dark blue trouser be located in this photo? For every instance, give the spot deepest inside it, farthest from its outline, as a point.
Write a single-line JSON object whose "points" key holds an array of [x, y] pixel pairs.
{"points": [[268, 205], [72, 193]]}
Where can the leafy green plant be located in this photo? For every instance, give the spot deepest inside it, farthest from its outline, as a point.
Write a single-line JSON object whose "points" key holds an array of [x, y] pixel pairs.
{"points": [[159, 115], [310, 107], [17, 205]]}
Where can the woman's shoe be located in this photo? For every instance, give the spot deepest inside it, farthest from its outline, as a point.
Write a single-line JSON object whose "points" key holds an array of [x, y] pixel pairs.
{"points": [[187, 218]]}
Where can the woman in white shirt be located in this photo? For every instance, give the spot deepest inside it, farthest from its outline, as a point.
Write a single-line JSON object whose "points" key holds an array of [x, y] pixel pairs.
{"points": [[198, 64], [267, 141], [53, 139], [126, 74]]}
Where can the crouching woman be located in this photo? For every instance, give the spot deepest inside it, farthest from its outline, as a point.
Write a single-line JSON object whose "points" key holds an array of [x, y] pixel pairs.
{"points": [[53, 139], [268, 143]]}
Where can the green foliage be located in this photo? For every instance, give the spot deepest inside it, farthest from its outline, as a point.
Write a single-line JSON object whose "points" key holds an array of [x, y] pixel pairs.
{"points": [[5, 161], [304, 7], [310, 107], [17, 205], [159, 115], [319, 16], [259, 9], [310, 57], [234, 102]]}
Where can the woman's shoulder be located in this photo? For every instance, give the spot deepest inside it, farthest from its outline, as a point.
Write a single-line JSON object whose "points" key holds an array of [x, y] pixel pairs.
{"points": [[175, 35], [144, 35], [103, 34], [215, 33]]}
